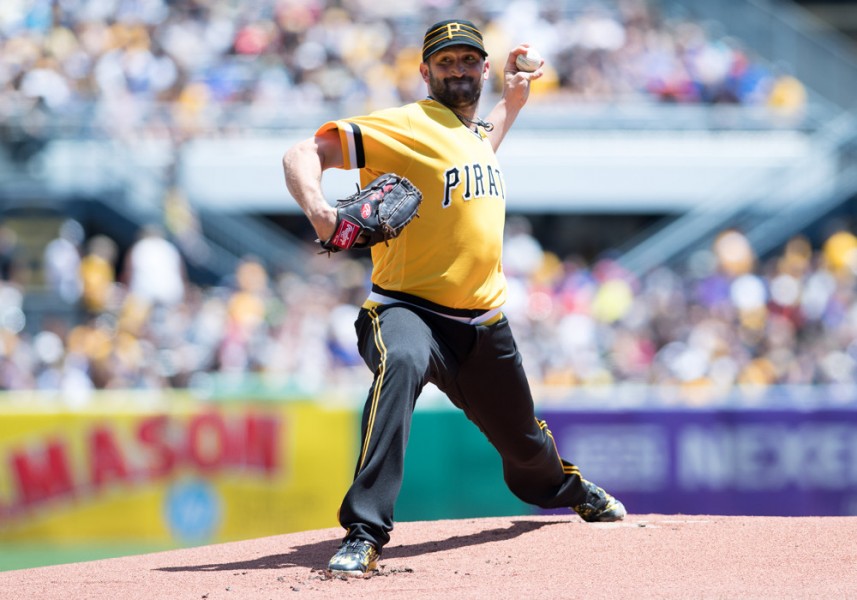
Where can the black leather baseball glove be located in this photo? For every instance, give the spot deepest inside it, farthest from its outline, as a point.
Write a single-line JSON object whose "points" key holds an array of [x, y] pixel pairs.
{"points": [[377, 213]]}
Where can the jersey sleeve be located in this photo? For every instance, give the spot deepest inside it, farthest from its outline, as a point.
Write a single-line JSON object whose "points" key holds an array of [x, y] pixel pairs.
{"points": [[351, 139], [378, 143]]}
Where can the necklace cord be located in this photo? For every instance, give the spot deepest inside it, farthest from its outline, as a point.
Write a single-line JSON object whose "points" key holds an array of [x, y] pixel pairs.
{"points": [[468, 122]]}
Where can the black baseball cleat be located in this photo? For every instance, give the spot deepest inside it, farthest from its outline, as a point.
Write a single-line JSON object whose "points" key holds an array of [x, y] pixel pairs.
{"points": [[355, 558], [599, 506]]}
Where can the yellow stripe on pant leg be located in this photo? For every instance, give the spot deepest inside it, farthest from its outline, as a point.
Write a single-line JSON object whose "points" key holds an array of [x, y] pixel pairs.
{"points": [[379, 382], [567, 467]]}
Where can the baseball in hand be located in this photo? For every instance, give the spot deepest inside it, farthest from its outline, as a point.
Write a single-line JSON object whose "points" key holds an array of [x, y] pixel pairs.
{"points": [[529, 61]]}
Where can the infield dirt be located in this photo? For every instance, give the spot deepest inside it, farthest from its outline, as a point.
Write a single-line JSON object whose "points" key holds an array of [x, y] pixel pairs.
{"points": [[545, 557]]}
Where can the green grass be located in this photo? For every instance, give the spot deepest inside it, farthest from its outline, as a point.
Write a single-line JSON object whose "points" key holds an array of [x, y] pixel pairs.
{"points": [[26, 556]]}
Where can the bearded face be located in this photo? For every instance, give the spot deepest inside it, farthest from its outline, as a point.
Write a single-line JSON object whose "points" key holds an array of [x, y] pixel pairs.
{"points": [[455, 92], [455, 76]]}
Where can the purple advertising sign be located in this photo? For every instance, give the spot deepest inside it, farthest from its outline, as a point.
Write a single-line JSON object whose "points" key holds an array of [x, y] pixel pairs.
{"points": [[725, 462]]}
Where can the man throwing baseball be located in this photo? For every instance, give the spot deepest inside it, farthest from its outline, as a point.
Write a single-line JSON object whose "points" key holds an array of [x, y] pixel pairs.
{"points": [[434, 313]]}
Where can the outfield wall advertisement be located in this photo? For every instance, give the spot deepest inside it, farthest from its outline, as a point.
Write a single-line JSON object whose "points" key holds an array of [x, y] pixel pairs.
{"points": [[694, 461], [181, 473], [732, 462]]}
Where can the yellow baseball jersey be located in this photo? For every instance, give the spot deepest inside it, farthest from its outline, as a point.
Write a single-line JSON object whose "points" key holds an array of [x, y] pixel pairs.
{"points": [[451, 254]]}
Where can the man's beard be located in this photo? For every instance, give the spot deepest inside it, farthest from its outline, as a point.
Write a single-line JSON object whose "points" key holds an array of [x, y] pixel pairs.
{"points": [[455, 92]]}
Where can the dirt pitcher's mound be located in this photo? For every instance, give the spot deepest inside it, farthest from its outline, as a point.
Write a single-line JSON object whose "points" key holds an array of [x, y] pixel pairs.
{"points": [[646, 556]]}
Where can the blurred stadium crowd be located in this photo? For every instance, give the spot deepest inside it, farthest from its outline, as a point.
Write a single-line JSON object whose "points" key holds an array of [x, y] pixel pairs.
{"points": [[179, 68], [182, 68], [724, 319]]}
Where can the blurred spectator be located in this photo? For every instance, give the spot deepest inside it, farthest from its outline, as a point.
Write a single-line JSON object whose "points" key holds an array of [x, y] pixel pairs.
{"points": [[61, 262], [183, 225], [733, 253], [788, 97], [246, 314], [840, 253], [154, 269], [10, 253], [98, 274]]}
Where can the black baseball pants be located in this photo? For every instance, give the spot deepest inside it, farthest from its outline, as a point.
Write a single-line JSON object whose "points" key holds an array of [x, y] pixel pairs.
{"points": [[480, 369]]}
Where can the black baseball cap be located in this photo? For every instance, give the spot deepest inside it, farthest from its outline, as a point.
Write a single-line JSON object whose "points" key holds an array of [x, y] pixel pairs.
{"points": [[449, 33]]}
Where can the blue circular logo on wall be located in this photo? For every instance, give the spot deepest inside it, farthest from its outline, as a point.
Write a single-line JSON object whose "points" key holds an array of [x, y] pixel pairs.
{"points": [[192, 510]]}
